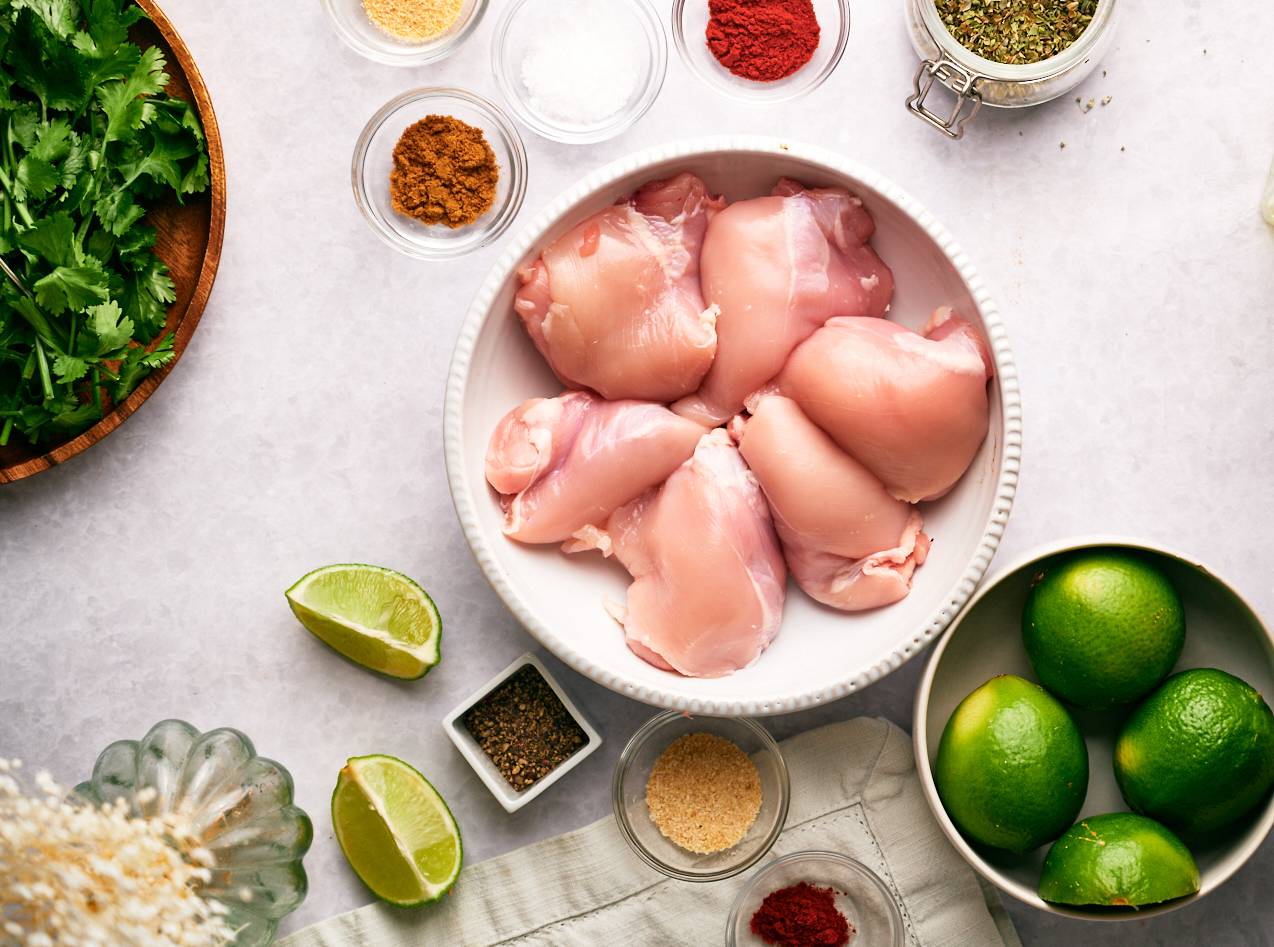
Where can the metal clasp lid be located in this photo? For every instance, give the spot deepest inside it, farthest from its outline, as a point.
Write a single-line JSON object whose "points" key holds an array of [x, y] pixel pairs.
{"points": [[956, 78]]}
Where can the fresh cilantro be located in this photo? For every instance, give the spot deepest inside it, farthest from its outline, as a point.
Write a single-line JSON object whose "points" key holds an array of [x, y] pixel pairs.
{"points": [[89, 141]]}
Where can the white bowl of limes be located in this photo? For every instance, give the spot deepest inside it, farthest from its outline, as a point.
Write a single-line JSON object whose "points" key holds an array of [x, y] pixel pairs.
{"points": [[1138, 778]]}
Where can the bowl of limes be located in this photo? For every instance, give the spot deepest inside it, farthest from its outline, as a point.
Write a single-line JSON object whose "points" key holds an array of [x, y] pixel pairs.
{"points": [[1093, 733]]}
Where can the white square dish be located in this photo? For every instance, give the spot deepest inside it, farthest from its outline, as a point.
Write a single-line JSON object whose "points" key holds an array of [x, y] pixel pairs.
{"points": [[511, 799]]}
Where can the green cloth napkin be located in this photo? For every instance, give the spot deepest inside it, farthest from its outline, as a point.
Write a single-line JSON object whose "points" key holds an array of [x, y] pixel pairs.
{"points": [[854, 790]]}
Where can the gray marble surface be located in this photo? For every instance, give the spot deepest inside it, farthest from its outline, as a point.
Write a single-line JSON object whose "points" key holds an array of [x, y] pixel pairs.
{"points": [[144, 579]]}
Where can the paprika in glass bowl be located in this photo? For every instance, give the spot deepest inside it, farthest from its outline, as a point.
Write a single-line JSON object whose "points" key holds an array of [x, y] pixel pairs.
{"points": [[860, 901], [724, 43], [486, 198]]}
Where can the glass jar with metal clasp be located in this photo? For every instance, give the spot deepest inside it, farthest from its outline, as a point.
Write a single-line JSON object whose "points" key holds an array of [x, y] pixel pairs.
{"points": [[976, 81]]}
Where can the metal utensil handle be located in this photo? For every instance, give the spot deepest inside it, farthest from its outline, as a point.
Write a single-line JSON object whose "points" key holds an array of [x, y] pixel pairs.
{"points": [[958, 80]]}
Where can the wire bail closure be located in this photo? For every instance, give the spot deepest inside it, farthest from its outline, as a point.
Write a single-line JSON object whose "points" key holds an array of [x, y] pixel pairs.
{"points": [[958, 80]]}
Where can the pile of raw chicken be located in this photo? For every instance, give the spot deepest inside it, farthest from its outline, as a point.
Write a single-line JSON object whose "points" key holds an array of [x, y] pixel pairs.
{"points": [[736, 407]]}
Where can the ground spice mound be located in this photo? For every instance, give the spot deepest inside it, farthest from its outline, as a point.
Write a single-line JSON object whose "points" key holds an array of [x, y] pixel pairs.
{"points": [[762, 40], [524, 728], [413, 20], [802, 915], [444, 172], [703, 793]]}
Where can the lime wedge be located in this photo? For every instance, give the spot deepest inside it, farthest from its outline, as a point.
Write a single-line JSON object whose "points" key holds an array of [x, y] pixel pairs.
{"points": [[375, 617], [395, 830]]}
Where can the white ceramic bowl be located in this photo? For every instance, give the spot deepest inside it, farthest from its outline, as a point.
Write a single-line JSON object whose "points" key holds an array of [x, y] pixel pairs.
{"points": [[1222, 631], [820, 654]]}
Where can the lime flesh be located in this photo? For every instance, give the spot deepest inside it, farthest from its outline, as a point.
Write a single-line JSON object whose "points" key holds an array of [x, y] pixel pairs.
{"points": [[1198, 754], [376, 617], [396, 831], [1102, 628], [1012, 767], [1118, 860]]}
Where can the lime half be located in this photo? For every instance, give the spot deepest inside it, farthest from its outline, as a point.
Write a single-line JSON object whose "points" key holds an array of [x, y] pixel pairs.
{"points": [[375, 617], [1118, 860], [395, 830]]}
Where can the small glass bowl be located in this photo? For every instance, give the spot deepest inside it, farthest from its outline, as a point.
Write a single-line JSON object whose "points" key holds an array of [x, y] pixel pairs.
{"points": [[523, 20], [365, 37], [689, 28], [628, 794], [373, 161], [860, 895]]}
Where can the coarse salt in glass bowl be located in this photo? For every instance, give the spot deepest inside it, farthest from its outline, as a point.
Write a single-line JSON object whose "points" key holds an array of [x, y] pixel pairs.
{"points": [[373, 161], [628, 795], [535, 31], [860, 895], [689, 33], [356, 28]]}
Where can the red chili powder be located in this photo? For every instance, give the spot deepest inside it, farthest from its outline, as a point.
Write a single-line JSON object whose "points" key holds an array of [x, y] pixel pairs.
{"points": [[763, 40], [801, 915]]}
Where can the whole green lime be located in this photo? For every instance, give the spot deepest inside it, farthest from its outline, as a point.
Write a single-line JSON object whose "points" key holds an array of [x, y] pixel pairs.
{"points": [[1012, 767], [1199, 753], [1102, 628], [1118, 860]]}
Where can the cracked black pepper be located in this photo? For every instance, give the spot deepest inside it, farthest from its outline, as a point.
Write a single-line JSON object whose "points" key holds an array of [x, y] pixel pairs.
{"points": [[524, 728]]}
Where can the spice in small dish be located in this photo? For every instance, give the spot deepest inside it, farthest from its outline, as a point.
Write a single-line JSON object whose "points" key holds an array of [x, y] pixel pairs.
{"points": [[524, 728], [578, 68], [762, 40], [444, 172], [413, 21], [703, 793], [1016, 32], [801, 915]]}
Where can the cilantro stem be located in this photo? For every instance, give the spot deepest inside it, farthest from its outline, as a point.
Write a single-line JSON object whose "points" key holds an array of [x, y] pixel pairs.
{"points": [[19, 206], [8, 429], [46, 380]]}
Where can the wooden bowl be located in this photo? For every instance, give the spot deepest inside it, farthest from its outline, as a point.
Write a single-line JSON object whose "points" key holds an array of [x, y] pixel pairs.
{"points": [[189, 241]]}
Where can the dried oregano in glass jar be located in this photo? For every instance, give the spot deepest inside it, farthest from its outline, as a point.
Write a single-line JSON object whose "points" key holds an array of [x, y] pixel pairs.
{"points": [[1016, 32], [1002, 53]]}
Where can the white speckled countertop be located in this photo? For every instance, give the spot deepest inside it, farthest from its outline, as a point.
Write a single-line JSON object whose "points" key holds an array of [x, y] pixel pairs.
{"points": [[144, 579]]}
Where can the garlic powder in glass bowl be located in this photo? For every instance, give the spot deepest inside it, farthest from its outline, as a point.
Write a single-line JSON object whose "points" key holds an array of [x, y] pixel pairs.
{"points": [[572, 76]]}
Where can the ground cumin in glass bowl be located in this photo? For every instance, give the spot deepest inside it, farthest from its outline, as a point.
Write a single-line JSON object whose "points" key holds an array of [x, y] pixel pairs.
{"points": [[689, 34], [373, 161], [628, 795]]}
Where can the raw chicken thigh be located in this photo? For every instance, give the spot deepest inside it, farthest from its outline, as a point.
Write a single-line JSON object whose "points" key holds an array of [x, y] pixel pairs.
{"points": [[708, 575], [614, 304], [848, 543], [779, 267], [568, 462], [911, 407]]}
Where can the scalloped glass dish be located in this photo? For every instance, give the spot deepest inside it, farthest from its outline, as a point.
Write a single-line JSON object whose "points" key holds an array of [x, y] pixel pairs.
{"points": [[689, 25], [239, 804]]}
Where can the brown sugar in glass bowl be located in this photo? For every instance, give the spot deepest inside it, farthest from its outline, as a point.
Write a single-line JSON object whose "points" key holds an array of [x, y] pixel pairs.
{"points": [[444, 172]]}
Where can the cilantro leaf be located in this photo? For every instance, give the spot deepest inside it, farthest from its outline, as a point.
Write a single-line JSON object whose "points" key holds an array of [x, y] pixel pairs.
{"points": [[118, 212], [147, 292], [52, 239], [59, 16], [138, 363], [122, 99], [53, 71], [113, 329], [72, 287], [35, 178], [69, 368], [108, 24]]}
